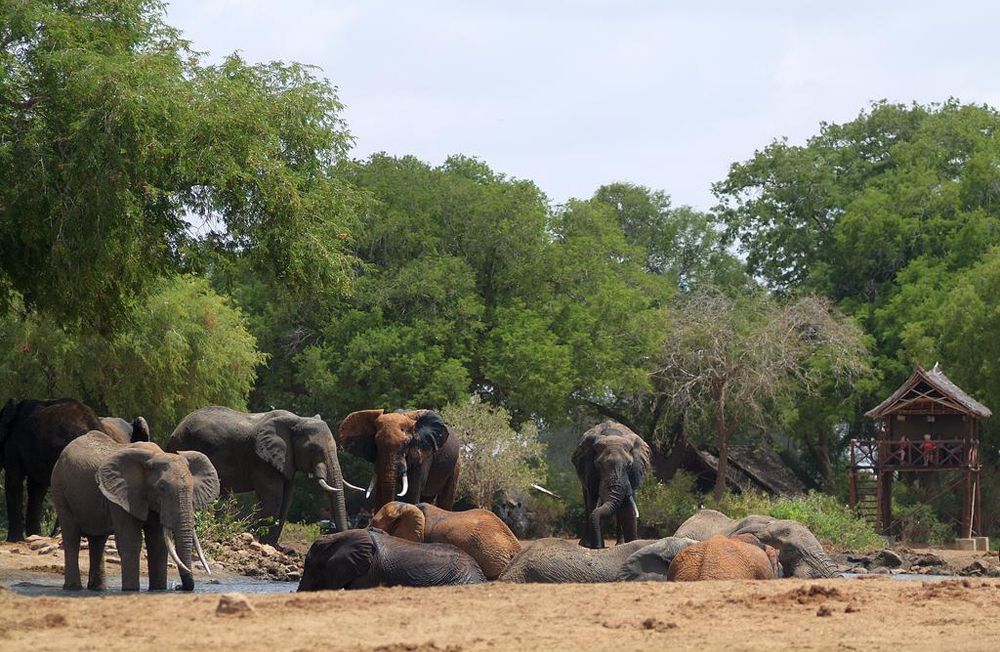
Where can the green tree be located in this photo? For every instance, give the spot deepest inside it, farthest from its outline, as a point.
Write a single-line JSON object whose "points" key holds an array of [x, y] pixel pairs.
{"points": [[113, 133], [185, 347]]}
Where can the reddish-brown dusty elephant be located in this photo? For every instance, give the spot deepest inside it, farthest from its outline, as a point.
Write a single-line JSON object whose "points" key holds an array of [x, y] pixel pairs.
{"points": [[725, 558], [477, 532], [416, 456]]}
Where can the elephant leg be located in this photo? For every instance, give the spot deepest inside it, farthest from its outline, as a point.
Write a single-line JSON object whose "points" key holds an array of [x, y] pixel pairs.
{"points": [[71, 557], [96, 581], [628, 525], [590, 538], [14, 489], [128, 536], [275, 496], [446, 499], [36, 500], [156, 553]]}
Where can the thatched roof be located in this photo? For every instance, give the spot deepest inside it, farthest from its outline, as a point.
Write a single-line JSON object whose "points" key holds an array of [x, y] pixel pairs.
{"points": [[930, 386], [756, 468]]}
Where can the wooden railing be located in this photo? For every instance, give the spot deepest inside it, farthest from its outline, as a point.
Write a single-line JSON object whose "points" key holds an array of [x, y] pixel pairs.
{"points": [[913, 454]]}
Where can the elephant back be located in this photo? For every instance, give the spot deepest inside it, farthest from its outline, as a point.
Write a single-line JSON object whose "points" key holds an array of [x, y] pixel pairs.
{"points": [[705, 524], [557, 561], [74, 481]]}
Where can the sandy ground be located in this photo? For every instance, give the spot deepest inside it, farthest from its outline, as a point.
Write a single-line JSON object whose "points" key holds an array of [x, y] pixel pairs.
{"points": [[869, 614]]}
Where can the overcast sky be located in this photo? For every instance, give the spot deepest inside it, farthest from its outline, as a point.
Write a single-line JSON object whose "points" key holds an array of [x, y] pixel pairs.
{"points": [[575, 94]]}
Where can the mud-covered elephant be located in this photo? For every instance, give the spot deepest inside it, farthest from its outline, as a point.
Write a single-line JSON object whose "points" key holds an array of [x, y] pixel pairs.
{"points": [[32, 435], [800, 553], [416, 456], [362, 559], [556, 561], [650, 563], [725, 558], [610, 461], [261, 452], [122, 430], [101, 487], [477, 532]]}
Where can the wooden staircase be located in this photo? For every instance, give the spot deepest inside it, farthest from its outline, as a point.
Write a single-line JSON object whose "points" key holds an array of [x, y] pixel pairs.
{"points": [[866, 505]]}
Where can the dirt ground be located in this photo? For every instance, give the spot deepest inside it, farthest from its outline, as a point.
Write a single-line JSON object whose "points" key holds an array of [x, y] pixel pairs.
{"points": [[870, 614]]}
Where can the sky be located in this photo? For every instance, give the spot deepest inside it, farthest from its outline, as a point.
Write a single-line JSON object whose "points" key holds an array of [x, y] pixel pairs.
{"points": [[576, 94]]}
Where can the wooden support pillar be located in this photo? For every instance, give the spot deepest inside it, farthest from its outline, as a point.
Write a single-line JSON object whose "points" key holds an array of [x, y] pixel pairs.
{"points": [[965, 526], [884, 500], [852, 483], [977, 510]]}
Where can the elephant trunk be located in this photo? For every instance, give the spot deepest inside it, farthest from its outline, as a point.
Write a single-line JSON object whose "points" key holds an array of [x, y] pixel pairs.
{"points": [[330, 471], [182, 525], [615, 494], [387, 474]]}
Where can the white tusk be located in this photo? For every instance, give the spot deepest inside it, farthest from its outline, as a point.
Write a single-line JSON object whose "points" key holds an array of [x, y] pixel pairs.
{"points": [[168, 538], [406, 485], [371, 488], [201, 554], [323, 484], [635, 508], [351, 486]]}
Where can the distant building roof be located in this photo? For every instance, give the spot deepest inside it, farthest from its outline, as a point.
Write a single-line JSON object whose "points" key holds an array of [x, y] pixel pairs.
{"points": [[757, 468], [932, 386]]}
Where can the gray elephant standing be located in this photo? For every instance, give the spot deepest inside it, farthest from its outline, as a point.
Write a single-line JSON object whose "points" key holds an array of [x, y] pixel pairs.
{"points": [[122, 430], [100, 487], [556, 561], [799, 551], [261, 452], [610, 461]]}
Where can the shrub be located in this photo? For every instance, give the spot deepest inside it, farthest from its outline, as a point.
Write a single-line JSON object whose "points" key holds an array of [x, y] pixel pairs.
{"points": [[222, 520], [918, 523], [663, 507], [300, 535], [496, 459]]}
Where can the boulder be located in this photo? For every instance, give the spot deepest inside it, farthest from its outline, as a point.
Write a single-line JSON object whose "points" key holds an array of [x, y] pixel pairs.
{"points": [[888, 559], [234, 604]]}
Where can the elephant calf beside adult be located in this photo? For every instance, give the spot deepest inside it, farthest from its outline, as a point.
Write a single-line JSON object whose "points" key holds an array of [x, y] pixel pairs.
{"points": [[416, 456], [477, 532], [261, 452], [610, 461], [100, 487], [741, 557], [362, 559], [799, 551]]}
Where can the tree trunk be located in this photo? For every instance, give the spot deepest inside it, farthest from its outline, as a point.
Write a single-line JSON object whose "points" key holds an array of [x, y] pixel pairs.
{"points": [[723, 431]]}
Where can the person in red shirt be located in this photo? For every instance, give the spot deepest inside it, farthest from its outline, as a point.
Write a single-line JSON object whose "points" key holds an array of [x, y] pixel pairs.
{"points": [[927, 449]]}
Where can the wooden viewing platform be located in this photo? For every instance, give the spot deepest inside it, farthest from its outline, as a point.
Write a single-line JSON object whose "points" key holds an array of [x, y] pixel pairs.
{"points": [[928, 425]]}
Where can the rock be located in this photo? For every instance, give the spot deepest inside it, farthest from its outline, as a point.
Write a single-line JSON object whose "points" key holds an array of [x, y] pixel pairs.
{"points": [[860, 570], [976, 568], [267, 551], [246, 537], [294, 576], [888, 558], [256, 545], [37, 542], [928, 559], [114, 560], [234, 604], [33, 537], [880, 570], [15, 551], [993, 572]]}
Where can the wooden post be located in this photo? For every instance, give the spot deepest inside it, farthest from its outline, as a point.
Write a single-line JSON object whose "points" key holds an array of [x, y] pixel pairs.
{"points": [[884, 499]]}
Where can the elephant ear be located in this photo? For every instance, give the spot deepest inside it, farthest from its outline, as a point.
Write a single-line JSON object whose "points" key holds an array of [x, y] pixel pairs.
{"points": [[584, 453], [206, 479], [122, 480], [400, 520], [351, 558], [271, 443], [430, 430], [356, 433], [641, 455], [6, 417]]}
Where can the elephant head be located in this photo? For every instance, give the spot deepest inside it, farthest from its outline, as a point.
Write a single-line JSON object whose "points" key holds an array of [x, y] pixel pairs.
{"points": [[292, 443], [798, 549], [399, 444], [142, 478], [338, 561], [401, 520], [611, 462]]}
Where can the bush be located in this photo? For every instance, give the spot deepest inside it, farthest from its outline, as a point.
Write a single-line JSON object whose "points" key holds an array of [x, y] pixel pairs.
{"points": [[222, 520], [300, 535], [496, 460], [663, 507], [918, 523], [833, 522]]}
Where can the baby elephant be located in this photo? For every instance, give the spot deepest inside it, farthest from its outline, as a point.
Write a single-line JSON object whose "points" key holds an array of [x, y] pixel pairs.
{"points": [[478, 532], [362, 559], [741, 557], [100, 487]]}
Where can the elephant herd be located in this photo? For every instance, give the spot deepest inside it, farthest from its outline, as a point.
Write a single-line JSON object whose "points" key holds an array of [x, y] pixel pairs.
{"points": [[107, 477]]}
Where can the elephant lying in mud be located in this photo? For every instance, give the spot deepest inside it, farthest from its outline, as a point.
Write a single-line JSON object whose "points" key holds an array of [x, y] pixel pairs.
{"points": [[477, 532], [800, 553], [362, 559], [741, 557], [650, 563], [554, 561]]}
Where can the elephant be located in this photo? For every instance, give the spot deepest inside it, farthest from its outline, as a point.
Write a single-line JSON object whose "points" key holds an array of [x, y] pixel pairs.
{"points": [[556, 561], [135, 491], [32, 435], [477, 532], [362, 559], [610, 461], [261, 452], [740, 557], [412, 448], [800, 553], [133, 432], [650, 563]]}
